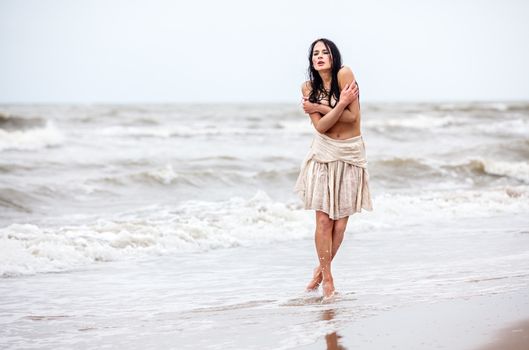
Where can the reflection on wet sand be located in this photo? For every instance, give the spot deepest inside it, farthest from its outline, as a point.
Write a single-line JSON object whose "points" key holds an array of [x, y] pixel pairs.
{"points": [[513, 337], [332, 339]]}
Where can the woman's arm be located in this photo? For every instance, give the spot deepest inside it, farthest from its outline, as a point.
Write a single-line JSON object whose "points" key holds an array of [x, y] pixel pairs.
{"points": [[352, 111], [324, 123], [347, 116]]}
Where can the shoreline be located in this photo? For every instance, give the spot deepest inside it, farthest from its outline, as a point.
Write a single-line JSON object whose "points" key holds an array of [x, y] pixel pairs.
{"points": [[86, 307]]}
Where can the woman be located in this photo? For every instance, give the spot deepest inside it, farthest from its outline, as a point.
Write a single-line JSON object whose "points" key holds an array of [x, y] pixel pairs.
{"points": [[333, 179]]}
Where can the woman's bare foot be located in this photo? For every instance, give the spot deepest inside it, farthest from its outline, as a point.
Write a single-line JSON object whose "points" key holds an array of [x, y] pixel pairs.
{"points": [[328, 288], [316, 280]]}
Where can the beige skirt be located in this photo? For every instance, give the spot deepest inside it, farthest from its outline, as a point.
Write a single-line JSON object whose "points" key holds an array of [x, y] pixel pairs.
{"points": [[334, 177]]}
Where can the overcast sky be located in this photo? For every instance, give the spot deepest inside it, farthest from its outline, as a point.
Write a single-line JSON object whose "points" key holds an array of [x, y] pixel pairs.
{"points": [[93, 51]]}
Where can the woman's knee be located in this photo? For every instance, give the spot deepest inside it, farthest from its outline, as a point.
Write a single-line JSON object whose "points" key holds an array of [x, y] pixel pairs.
{"points": [[339, 226], [324, 224]]}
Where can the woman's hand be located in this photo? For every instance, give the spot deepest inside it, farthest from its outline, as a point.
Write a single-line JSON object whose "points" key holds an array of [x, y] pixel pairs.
{"points": [[349, 94], [309, 107]]}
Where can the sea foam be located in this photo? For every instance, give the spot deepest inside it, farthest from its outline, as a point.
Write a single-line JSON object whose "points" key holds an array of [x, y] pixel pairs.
{"points": [[31, 139], [191, 227], [198, 226]]}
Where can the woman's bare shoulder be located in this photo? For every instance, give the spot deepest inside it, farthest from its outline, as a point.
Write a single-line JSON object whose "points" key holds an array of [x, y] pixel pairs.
{"points": [[345, 72], [345, 76]]}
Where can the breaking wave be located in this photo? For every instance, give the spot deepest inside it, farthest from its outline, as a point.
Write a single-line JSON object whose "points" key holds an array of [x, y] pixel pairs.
{"points": [[196, 226]]}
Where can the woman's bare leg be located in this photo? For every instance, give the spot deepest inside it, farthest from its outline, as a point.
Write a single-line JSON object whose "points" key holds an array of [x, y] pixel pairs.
{"points": [[338, 232], [323, 224], [323, 240]]}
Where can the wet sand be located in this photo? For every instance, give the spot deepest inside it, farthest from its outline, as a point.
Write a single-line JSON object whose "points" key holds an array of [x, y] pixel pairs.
{"points": [[492, 322], [513, 337]]}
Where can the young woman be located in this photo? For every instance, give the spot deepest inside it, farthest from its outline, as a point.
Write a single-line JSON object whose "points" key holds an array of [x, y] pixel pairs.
{"points": [[333, 179]]}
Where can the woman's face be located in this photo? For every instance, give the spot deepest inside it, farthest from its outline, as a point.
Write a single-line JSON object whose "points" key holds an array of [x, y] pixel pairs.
{"points": [[321, 57]]}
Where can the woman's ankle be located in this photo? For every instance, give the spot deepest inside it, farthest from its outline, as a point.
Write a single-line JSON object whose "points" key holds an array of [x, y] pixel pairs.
{"points": [[327, 276]]}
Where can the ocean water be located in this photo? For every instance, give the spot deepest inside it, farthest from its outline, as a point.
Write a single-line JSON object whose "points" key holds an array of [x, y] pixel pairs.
{"points": [[173, 226]]}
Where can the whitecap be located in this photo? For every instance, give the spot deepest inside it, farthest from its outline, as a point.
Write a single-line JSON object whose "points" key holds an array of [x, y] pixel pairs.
{"points": [[31, 139]]}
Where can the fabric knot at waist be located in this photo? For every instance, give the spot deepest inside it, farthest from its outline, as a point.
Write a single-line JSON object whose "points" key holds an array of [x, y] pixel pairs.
{"points": [[325, 149]]}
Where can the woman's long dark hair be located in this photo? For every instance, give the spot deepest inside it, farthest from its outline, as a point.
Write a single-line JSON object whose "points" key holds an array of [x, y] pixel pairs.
{"points": [[315, 80]]}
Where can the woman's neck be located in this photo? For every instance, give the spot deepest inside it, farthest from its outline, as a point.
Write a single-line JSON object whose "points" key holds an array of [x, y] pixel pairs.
{"points": [[326, 77]]}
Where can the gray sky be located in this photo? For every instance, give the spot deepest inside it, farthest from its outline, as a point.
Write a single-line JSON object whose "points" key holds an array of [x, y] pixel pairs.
{"points": [[256, 51]]}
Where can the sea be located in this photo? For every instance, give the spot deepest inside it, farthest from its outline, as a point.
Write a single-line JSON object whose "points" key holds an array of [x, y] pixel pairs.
{"points": [[175, 226]]}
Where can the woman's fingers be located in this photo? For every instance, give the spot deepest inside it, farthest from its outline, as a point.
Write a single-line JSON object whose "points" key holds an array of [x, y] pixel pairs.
{"points": [[306, 105], [355, 90], [350, 92]]}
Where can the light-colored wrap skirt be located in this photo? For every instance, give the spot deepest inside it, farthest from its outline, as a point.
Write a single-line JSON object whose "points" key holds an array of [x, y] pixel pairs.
{"points": [[334, 177]]}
